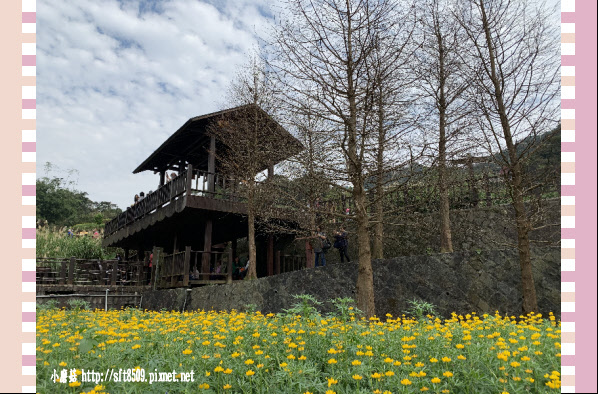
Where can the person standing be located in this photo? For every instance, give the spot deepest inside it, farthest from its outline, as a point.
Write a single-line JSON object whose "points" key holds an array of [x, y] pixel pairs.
{"points": [[341, 243], [319, 250]]}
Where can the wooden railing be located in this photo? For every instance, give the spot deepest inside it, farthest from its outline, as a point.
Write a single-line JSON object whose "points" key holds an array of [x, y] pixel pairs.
{"points": [[182, 269], [288, 263], [191, 181], [164, 195], [91, 272]]}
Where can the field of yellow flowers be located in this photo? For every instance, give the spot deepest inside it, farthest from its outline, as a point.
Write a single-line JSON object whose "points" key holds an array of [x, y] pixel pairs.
{"points": [[254, 353]]}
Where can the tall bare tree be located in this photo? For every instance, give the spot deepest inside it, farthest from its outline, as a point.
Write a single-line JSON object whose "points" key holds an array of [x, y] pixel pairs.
{"points": [[439, 69], [391, 79], [322, 51], [251, 142], [514, 65]]}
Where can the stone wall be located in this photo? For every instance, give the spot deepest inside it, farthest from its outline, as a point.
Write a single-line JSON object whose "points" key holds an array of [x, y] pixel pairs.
{"points": [[482, 281]]}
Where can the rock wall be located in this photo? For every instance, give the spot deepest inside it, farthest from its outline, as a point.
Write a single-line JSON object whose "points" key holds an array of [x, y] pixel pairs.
{"points": [[482, 281]]}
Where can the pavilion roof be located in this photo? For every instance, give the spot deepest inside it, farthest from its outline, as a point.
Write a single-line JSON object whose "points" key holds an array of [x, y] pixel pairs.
{"points": [[190, 143]]}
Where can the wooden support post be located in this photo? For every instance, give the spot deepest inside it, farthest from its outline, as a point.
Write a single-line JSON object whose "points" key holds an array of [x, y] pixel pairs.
{"points": [[174, 246], [207, 248], [270, 254], [229, 267], [189, 180], [212, 165], [186, 266], [162, 177], [71, 271], [62, 279], [156, 267], [270, 171], [103, 267], [114, 273], [277, 262], [140, 264]]}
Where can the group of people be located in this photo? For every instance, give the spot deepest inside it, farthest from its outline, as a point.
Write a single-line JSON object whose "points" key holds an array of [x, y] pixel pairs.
{"points": [[320, 244], [141, 195]]}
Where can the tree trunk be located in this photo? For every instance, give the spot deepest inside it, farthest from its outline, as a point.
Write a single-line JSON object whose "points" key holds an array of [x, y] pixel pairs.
{"points": [[378, 244], [251, 271], [446, 243], [530, 303], [365, 274]]}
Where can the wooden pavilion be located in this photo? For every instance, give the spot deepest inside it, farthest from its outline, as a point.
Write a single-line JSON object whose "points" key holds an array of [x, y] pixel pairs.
{"points": [[201, 207]]}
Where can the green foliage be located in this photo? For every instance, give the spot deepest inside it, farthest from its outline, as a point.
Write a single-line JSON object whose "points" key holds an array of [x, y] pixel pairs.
{"points": [[55, 243], [305, 307], [345, 308], [418, 309], [60, 204], [48, 305], [78, 305]]}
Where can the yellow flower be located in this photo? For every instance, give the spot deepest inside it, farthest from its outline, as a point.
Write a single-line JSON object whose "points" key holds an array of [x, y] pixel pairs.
{"points": [[332, 361], [435, 380], [249, 361], [433, 360], [448, 374], [204, 386], [459, 346], [424, 389], [187, 351], [74, 384], [461, 357], [405, 382], [250, 373], [419, 365], [389, 373], [515, 364], [355, 362], [282, 365], [62, 364], [357, 377], [330, 392], [332, 381], [227, 386], [218, 369], [446, 359], [135, 346]]}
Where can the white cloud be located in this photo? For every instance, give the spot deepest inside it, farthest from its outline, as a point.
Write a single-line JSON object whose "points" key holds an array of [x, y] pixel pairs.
{"points": [[113, 82]]}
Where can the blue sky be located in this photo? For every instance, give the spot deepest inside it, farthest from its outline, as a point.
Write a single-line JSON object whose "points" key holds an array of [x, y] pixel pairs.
{"points": [[116, 78]]}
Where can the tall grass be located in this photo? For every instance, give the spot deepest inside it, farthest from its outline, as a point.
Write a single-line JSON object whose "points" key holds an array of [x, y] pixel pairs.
{"points": [[53, 242]]}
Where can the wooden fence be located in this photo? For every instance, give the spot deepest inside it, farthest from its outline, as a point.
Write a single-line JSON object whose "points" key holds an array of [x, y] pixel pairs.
{"points": [[91, 272]]}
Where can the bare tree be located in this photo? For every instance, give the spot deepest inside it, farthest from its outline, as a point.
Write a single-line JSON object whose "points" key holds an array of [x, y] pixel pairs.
{"points": [[252, 143], [439, 69], [392, 83], [514, 65], [322, 51]]}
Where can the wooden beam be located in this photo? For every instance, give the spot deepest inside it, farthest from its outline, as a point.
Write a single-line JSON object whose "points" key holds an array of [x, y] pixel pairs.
{"points": [[270, 255], [229, 268], [212, 164], [186, 266], [207, 248]]}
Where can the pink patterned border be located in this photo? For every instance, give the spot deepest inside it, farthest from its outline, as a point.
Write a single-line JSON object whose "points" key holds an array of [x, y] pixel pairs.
{"points": [[28, 225]]}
